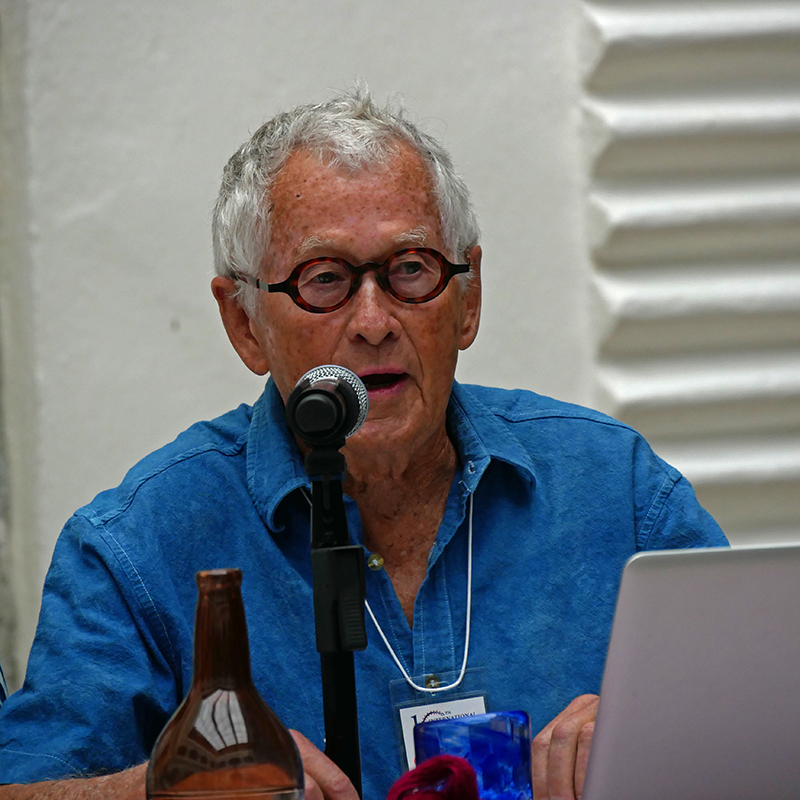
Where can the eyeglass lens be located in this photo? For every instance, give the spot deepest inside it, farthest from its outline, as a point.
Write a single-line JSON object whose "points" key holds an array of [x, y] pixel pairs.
{"points": [[411, 275]]}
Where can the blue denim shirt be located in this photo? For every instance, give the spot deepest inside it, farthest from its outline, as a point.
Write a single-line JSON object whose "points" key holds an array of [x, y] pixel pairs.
{"points": [[563, 496]]}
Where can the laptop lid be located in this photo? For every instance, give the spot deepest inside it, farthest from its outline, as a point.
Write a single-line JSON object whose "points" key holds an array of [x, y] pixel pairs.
{"points": [[700, 697]]}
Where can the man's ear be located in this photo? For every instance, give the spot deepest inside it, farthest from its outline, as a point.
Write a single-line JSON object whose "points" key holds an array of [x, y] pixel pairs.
{"points": [[472, 301], [238, 325]]}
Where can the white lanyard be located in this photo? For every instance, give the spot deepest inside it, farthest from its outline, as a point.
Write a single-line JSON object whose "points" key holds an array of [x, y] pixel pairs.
{"points": [[409, 681]]}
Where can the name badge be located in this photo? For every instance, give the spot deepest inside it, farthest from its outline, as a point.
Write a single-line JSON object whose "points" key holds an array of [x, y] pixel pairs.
{"points": [[412, 707], [446, 709]]}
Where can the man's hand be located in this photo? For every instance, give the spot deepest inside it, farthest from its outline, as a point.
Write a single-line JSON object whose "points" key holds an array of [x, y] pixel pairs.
{"points": [[324, 780], [560, 751]]}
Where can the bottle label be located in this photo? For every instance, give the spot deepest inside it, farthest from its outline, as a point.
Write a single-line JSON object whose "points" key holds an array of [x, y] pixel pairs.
{"points": [[230, 794]]}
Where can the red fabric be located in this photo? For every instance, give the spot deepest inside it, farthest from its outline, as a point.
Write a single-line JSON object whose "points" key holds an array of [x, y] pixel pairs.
{"points": [[438, 778]]}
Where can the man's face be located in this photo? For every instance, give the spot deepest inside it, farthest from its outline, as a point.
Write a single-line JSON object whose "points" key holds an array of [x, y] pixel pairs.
{"points": [[405, 354]]}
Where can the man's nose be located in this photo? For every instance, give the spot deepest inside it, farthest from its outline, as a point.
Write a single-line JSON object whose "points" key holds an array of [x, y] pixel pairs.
{"points": [[372, 312]]}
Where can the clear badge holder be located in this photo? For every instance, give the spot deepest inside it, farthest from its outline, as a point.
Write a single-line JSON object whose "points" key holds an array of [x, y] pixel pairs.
{"points": [[412, 707]]}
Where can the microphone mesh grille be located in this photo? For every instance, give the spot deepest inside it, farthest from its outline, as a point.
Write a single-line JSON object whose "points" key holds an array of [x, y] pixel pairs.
{"points": [[328, 371]]}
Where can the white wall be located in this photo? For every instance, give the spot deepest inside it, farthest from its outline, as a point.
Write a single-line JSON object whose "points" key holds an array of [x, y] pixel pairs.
{"points": [[692, 122], [119, 118], [635, 168]]}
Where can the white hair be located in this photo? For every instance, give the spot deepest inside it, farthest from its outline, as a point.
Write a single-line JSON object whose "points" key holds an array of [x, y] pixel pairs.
{"points": [[348, 131]]}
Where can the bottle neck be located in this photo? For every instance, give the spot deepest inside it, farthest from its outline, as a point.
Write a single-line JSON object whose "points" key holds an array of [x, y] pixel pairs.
{"points": [[221, 647]]}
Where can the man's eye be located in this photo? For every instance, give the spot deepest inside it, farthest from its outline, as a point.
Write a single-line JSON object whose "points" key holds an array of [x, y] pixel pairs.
{"points": [[325, 277], [407, 268]]}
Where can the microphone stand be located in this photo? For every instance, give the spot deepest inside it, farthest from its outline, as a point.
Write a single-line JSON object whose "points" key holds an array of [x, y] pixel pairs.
{"points": [[339, 594]]}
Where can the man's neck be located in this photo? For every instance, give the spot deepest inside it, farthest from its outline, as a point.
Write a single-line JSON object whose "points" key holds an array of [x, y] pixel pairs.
{"points": [[387, 489], [401, 514]]}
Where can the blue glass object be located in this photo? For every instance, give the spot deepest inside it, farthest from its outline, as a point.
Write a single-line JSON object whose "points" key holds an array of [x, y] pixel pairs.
{"points": [[497, 745]]}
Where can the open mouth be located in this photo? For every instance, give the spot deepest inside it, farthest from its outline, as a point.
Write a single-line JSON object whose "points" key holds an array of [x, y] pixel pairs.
{"points": [[384, 380]]}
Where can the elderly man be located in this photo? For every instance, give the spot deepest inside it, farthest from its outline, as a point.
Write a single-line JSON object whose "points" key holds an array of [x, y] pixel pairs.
{"points": [[342, 235]]}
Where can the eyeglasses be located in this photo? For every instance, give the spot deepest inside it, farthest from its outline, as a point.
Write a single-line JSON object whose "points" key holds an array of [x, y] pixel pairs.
{"points": [[320, 285]]}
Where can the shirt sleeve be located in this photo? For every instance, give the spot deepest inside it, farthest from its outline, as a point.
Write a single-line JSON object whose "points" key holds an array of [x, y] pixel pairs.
{"points": [[671, 515], [100, 680]]}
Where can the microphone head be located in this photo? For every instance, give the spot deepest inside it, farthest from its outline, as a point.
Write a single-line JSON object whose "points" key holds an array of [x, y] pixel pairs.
{"points": [[328, 404]]}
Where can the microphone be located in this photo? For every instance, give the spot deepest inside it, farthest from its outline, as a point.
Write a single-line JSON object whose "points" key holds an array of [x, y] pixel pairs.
{"points": [[328, 404]]}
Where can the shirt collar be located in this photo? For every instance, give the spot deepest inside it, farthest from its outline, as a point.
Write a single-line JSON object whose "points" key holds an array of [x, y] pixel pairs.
{"points": [[274, 461], [275, 464], [480, 438]]}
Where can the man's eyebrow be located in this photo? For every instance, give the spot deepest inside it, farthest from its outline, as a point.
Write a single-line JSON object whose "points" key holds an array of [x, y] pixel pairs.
{"points": [[314, 245], [416, 236]]}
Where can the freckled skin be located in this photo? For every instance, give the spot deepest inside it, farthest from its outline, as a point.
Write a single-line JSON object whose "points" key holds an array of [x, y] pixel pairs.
{"points": [[362, 217], [401, 463]]}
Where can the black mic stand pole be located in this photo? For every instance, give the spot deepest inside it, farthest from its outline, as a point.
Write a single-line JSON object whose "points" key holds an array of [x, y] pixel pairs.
{"points": [[339, 594]]}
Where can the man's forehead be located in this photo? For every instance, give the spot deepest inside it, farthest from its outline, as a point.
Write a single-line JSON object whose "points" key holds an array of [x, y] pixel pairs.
{"points": [[303, 166], [311, 246], [316, 207]]}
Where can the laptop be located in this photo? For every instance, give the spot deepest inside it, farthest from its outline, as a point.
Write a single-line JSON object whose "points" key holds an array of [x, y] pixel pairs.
{"points": [[700, 697]]}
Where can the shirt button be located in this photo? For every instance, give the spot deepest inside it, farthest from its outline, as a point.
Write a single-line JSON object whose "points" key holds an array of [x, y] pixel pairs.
{"points": [[432, 681], [375, 561]]}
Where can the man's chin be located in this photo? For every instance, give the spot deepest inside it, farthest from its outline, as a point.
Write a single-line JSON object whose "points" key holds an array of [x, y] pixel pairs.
{"points": [[382, 438]]}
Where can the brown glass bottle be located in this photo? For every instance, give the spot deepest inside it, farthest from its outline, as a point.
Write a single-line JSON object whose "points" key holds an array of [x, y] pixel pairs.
{"points": [[224, 741]]}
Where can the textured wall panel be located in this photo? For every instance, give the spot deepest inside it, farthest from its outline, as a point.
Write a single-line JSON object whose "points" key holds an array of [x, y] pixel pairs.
{"points": [[692, 145]]}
